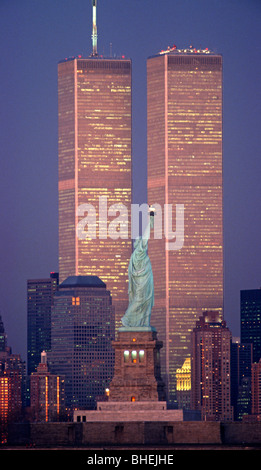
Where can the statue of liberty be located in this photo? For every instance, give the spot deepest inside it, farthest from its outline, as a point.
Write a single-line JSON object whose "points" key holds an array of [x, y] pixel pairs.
{"points": [[141, 286]]}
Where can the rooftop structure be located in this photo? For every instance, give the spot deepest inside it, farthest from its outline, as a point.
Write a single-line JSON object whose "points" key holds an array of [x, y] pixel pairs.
{"points": [[82, 281], [94, 28], [188, 50]]}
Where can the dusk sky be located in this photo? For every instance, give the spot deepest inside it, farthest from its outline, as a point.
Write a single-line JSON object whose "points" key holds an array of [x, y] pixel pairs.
{"points": [[35, 35]]}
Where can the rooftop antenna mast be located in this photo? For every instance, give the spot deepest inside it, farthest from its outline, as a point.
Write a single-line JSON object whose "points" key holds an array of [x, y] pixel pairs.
{"points": [[94, 28]]}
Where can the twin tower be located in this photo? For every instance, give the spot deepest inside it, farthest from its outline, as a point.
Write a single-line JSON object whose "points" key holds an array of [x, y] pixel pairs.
{"points": [[184, 166]]}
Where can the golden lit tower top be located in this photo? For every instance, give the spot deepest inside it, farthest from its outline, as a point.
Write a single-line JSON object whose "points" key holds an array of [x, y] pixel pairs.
{"points": [[94, 28]]}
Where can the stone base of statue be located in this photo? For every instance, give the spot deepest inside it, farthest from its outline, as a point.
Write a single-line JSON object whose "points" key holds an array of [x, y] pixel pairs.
{"points": [[139, 411], [137, 366], [137, 392]]}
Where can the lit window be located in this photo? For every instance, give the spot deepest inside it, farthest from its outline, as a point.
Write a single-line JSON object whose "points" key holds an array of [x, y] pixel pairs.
{"points": [[134, 357], [141, 356], [126, 356], [75, 300]]}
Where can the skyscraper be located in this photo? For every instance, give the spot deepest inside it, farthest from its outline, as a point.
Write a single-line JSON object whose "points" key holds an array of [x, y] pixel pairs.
{"points": [[184, 138], [95, 182], [256, 388], [241, 362], [250, 309], [210, 368], [40, 294], [82, 330], [12, 381]]}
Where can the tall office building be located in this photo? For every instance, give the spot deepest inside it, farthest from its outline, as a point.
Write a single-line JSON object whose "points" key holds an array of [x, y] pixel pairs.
{"points": [[184, 138], [12, 381], [241, 362], [250, 310], [46, 393], [256, 388], [244, 400], [95, 147], [210, 368], [40, 293], [82, 331]]}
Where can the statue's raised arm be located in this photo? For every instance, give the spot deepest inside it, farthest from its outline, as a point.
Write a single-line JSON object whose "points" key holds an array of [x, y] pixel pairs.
{"points": [[150, 224]]}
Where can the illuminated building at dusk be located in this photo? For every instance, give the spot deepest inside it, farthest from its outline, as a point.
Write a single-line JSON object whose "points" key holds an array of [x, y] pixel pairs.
{"points": [[241, 362], [183, 377], [83, 328], [46, 393], [210, 368], [12, 381], [10, 396], [184, 139], [40, 294], [95, 140], [250, 312], [256, 389]]}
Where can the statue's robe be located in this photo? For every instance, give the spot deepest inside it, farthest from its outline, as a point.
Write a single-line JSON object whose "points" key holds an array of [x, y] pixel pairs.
{"points": [[141, 287]]}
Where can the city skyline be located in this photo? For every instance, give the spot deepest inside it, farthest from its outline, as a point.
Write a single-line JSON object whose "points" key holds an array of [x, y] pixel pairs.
{"points": [[29, 160]]}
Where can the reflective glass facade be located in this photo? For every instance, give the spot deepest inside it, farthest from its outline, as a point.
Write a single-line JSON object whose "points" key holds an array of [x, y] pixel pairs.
{"points": [[184, 132], [95, 138]]}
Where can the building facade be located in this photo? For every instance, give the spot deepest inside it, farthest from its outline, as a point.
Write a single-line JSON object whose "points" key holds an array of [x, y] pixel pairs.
{"points": [[256, 388], [83, 327], [40, 294], [184, 138], [12, 381], [244, 400], [46, 393], [137, 375], [95, 177], [183, 376], [10, 395], [210, 368], [241, 363], [250, 309]]}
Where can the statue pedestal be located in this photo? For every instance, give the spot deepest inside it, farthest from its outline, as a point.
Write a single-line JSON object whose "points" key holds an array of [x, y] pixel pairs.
{"points": [[137, 366], [136, 390]]}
